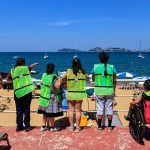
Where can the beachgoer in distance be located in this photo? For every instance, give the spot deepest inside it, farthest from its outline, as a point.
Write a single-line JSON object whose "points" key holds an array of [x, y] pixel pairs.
{"points": [[76, 91], [104, 76], [145, 99], [50, 99], [23, 87]]}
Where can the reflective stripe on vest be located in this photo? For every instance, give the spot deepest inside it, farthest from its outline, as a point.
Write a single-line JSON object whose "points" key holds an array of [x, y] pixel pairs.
{"points": [[45, 90], [76, 86], [103, 84], [146, 104], [22, 81]]}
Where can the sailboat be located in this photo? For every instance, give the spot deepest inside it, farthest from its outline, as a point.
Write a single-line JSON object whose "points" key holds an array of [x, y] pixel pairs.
{"points": [[45, 56], [140, 55], [75, 56]]}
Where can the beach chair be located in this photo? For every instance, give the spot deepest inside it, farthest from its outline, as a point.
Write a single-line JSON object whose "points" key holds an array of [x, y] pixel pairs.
{"points": [[4, 136]]}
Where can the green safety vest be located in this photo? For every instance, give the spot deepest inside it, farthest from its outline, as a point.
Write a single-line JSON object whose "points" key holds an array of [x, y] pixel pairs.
{"points": [[22, 81], [76, 86], [45, 90], [146, 95], [103, 84]]}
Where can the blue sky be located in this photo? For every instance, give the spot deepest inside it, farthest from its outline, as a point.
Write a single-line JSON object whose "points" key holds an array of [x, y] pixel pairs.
{"points": [[32, 25]]}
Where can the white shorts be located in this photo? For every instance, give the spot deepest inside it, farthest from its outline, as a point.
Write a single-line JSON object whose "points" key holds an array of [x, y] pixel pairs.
{"points": [[107, 101]]}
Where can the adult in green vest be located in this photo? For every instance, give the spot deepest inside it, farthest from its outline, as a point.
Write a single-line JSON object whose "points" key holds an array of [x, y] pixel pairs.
{"points": [[23, 87], [104, 76], [76, 91], [50, 104]]}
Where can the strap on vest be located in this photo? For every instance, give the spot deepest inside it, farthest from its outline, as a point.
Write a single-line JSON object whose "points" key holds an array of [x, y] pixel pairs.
{"points": [[44, 97], [20, 76], [23, 87], [106, 75], [45, 85], [75, 79], [77, 91], [104, 86]]}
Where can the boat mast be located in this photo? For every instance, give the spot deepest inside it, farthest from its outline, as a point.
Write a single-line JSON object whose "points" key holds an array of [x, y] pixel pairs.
{"points": [[140, 46]]}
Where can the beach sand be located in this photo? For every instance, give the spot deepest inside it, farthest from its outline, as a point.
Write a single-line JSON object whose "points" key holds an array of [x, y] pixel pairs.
{"points": [[9, 118]]}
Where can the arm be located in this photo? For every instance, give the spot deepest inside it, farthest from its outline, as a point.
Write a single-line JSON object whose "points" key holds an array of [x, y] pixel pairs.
{"points": [[114, 82], [64, 80], [138, 99], [87, 77], [57, 84], [32, 65], [93, 77]]}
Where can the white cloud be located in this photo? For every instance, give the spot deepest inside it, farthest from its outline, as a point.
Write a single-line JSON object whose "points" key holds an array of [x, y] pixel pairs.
{"points": [[62, 23], [87, 21]]}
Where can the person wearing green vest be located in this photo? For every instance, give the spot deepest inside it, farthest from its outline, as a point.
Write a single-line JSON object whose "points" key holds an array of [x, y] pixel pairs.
{"points": [[76, 78], [23, 87], [104, 76], [50, 100]]}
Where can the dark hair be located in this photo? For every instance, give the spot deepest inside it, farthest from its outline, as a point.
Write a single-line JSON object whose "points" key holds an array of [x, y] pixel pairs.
{"points": [[50, 68], [103, 56], [147, 84], [20, 62], [76, 66]]}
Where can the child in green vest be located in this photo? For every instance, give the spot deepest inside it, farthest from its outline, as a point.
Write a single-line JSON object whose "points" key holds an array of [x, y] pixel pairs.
{"points": [[104, 76], [50, 99]]}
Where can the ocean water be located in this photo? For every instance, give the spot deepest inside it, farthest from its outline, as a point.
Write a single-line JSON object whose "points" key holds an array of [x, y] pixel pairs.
{"points": [[123, 61]]}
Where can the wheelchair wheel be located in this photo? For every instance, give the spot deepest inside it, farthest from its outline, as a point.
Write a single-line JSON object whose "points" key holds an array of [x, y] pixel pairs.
{"points": [[137, 124]]}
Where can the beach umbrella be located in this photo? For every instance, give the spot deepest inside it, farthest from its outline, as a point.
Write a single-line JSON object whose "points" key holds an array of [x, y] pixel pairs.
{"points": [[125, 75]]}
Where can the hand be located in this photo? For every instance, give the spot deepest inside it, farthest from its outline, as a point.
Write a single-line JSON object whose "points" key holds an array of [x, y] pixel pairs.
{"points": [[131, 105]]}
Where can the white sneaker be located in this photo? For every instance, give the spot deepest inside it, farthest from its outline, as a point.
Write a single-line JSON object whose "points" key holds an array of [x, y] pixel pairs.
{"points": [[43, 128], [53, 129]]}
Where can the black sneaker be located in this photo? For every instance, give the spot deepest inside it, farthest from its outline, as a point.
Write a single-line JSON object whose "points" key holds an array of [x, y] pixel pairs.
{"points": [[19, 129], [29, 129]]}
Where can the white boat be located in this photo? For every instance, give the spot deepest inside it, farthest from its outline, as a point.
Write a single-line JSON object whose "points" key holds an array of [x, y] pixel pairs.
{"points": [[45, 56], [140, 55], [15, 57]]}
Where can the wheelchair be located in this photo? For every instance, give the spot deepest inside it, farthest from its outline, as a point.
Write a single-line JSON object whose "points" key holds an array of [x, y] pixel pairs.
{"points": [[137, 124]]}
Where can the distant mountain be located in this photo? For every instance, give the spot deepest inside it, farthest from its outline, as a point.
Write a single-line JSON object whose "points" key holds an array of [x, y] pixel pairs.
{"points": [[68, 50], [111, 49], [96, 49]]}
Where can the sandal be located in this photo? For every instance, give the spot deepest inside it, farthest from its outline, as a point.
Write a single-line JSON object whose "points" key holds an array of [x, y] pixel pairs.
{"points": [[78, 129], [71, 129]]}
